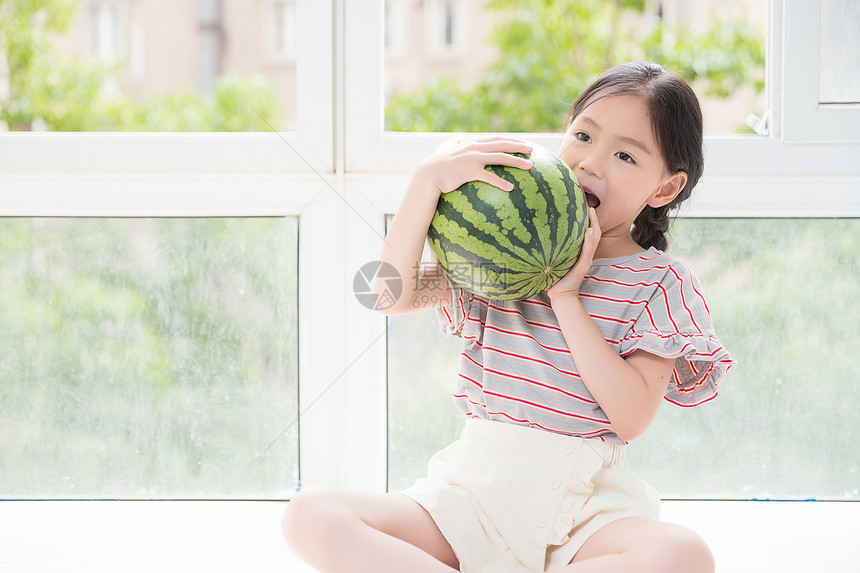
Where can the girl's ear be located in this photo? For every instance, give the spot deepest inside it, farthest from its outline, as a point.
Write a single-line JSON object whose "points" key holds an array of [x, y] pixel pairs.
{"points": [[669, 189]]}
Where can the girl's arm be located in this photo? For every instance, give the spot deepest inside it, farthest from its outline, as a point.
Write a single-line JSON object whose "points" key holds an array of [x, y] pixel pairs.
{"points": [[629, 390], [454, 163]]}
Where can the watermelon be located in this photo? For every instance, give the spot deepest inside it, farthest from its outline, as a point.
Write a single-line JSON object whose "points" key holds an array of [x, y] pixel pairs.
{"points": [[511, 245]]}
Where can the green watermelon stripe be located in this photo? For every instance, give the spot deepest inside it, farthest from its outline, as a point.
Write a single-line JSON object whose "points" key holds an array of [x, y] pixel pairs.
{"points": [[512, 220], [474, 195], [561, 202], [527, 213], [460, 234], [456, 254], [483, 241], [534, 245], [490, 286], [494, 277], [463, 271], [539, 203], [577, 217], [564, 234], [553, 215]]}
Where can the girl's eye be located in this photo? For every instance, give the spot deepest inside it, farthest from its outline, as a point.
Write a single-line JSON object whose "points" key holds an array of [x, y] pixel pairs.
{"points": [[582, 136], [625, 157]]}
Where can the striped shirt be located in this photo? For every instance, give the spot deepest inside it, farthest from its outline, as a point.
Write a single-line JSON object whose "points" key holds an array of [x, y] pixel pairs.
{"points": [[516, 367]]}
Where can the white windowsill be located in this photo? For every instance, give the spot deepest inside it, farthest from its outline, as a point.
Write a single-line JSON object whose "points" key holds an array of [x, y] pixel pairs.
{"points": [[139, 536]]}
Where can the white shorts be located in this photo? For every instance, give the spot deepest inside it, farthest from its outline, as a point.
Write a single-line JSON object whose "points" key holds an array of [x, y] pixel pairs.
{"points": [[514, 499]]}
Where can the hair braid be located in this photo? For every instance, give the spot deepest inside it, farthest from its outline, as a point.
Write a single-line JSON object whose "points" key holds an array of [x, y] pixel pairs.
{"points": [[651, 226]]}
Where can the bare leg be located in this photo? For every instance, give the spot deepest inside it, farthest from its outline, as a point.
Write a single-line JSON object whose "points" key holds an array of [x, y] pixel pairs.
{"points": [[339, 531], [639, 545]]}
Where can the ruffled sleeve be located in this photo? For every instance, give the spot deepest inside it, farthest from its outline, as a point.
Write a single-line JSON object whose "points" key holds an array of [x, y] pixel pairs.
{"points": [[452, 316], [676, 323]]}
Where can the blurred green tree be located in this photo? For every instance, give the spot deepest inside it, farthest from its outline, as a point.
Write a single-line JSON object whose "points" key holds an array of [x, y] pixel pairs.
{"points": [[553, 49], [83, 94]]}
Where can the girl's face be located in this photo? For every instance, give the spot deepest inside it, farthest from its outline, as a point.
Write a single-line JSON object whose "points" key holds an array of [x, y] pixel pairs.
{"points": [[611, 148]]}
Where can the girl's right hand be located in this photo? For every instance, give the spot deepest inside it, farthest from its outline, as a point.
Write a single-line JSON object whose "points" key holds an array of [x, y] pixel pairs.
{"points": [[459, 160], [570, 283]]}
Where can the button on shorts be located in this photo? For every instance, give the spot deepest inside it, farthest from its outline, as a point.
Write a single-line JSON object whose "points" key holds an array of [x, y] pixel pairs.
{"points": [[515, 499]]}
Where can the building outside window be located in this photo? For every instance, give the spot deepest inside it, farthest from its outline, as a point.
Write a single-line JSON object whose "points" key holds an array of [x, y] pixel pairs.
{"points": [[104, 30], [447, 23], [281, 30]]}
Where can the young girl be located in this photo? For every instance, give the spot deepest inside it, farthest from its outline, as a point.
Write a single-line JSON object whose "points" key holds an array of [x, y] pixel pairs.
{"points": [[552, 387]]}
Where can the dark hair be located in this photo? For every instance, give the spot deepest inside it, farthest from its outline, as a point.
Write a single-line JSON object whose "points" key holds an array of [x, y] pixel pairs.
{"points": [[676, 120]]}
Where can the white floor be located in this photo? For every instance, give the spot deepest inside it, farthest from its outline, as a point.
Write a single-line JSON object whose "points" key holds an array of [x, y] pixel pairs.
{"points": [[144, 537]]}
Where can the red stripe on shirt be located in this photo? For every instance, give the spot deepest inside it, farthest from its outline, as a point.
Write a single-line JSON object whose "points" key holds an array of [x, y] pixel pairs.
{"points": [[520, 334], [531, 322], [699, 403], [533, 404], [616, 300], [531, 359], [645, 270], [536, 302], [684, 299], [542, 407], [529, 380], [523, 420], [610, 319], [642, 284]]}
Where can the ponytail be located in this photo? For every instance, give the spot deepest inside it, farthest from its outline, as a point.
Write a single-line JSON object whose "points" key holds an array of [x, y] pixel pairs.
{"points": [[651, 226]]}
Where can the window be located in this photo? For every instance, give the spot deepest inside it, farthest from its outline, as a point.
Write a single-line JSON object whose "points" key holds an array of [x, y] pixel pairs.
{"points": [[817, 42], [763, 433], [331, 165], [755, 183], [149, 358], [172, 274]]}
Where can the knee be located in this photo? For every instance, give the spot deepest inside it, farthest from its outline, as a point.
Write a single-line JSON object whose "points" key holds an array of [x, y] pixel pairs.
{"points": [[680, 549], [309, 514]]}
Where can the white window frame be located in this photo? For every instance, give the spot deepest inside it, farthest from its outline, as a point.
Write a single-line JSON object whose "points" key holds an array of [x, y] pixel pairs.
{"points": [[745, 176], [341, 174], [248, 174], [804, 118]]}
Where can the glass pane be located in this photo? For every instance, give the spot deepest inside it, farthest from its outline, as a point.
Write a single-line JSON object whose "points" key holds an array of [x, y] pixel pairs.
{"points": [[783, 295], [153, 65], [839, 81], [510, 66], [421, 415], [148, 358]]}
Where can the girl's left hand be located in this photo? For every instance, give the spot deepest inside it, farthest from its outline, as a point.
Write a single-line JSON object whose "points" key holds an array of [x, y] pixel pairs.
{"points": [[570, 283]]}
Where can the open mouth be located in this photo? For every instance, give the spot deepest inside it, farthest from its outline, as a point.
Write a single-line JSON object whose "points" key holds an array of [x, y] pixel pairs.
{"points": [[592, 200]]}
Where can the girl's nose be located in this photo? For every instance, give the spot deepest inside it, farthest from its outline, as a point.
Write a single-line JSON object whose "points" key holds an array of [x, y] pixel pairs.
{"points": [[591, 166]]}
